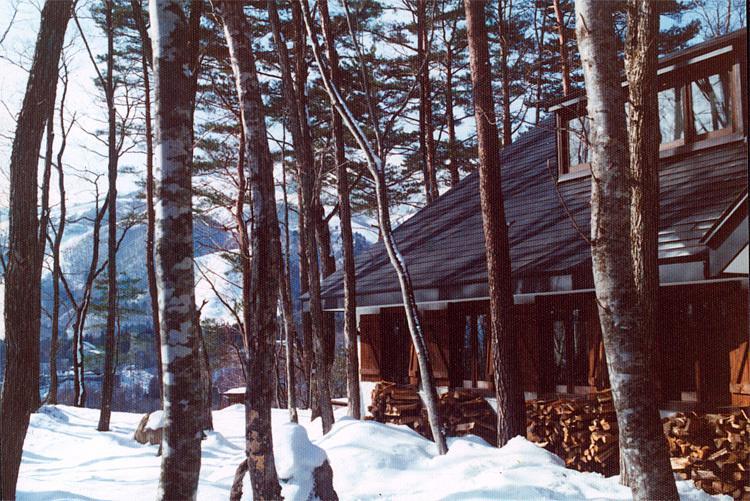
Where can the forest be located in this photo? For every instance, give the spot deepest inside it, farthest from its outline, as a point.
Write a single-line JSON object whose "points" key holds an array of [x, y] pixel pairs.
{"points": [[194, 195]]}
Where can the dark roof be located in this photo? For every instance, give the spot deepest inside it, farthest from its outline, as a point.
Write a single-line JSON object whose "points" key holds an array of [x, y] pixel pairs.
{"points": [[443, 243]]}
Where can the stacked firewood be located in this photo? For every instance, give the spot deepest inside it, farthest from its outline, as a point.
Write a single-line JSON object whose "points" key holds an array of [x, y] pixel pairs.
{"points": [[397, 404], [464, 412], [583, 432], [713, 450]]}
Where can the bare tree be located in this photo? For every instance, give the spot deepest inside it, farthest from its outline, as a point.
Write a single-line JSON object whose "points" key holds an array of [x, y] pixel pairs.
{"points": [[175, 40], [511, 412], [146, 61], [260, 328], [57, 243], [617, 292], [376, 167], [20, 394]]}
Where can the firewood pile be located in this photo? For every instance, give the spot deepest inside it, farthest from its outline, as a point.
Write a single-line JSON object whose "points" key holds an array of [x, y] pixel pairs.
{"points": [[398, 404], [464, 412], [713, 450], [583, 432]]}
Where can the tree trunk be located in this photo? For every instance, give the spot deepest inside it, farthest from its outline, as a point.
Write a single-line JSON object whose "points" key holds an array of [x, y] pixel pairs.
{"points": [[641, 441], [174, 97], [347, 238], [295, 102], [511, 411], [153, 293], [563, 45], [504, 74], [208, 420], [641, 55], [377, 171], [450, 119], [22, 291], [426, 139], [79, 386], [266, 255], [109, 350], [285, 293]]}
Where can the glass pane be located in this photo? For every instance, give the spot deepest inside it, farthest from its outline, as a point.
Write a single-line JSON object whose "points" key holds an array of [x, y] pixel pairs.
{"points": [[467, 351], [671, 119], [711, 106], [561, 362], [482, 339], [578, 144]]}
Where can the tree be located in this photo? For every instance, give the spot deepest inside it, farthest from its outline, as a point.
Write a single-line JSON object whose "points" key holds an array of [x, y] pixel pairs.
{"points": [[22, 288], [376, 167], [56, 245], [620, 312], [345, 216], [174, 69], [510, 405], [112, 157], [295, 100], [146, 62], [266, 255]]}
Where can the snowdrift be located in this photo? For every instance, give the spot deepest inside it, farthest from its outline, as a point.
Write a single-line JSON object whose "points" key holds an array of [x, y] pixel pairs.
{"points": [[66, 458]]}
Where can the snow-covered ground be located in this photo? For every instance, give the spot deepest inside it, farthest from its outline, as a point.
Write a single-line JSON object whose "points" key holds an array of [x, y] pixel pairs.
{"points": [[66, 458]]}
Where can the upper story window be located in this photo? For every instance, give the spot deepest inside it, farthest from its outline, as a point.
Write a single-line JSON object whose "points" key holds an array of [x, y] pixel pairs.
{"points": [[700, 105]]}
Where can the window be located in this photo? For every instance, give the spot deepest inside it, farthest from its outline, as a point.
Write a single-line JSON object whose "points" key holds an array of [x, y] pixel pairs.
{"points": [[474, 350], [578, 142], [671, 118], [712, 109], [696, 105]]}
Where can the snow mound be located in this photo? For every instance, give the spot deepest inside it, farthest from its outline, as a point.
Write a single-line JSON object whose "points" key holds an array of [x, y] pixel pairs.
{"points": [[296, 458], [155, 420]]}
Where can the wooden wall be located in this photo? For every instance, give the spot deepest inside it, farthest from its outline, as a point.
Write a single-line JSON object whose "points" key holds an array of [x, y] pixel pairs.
{"points": [[702, 345]]}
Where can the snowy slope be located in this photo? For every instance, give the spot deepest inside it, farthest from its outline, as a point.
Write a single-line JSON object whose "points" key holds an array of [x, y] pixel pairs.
{"points": [[66, 458]]}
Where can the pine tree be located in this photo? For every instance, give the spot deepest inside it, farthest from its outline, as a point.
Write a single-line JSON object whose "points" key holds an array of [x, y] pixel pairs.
{"points": [[510, 406]]}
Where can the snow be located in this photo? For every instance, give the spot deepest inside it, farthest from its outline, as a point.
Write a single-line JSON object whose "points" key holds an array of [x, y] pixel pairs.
{"points": [[66, 458], [240, 390], [155, 420]]}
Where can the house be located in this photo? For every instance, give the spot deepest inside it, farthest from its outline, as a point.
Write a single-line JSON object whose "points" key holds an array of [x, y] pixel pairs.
{"points": [[702, 343]]}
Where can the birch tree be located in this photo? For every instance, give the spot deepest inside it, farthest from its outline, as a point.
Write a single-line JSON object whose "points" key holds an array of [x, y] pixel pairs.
{"points": [[174, 67], [20, 394], [376, 167], [620, 313], [266, 255], [511, 415]]}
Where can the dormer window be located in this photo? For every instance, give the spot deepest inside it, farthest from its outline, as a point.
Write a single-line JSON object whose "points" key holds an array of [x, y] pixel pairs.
{"points": [[699, 107]]}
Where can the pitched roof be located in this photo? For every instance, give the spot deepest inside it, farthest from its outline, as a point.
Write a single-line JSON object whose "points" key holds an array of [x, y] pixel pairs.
{"points": [[443, 243]]}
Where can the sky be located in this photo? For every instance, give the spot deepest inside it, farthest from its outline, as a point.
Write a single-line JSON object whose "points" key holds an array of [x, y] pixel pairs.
{"points": [[83, 99]]}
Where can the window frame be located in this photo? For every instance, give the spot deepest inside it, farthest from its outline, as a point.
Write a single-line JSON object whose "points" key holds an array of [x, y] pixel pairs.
{"points": [[682, 77]]}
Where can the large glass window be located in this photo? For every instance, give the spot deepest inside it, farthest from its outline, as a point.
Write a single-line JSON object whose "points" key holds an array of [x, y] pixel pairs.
{"points": [[671, 117], [711, 103], [578, 143]]}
